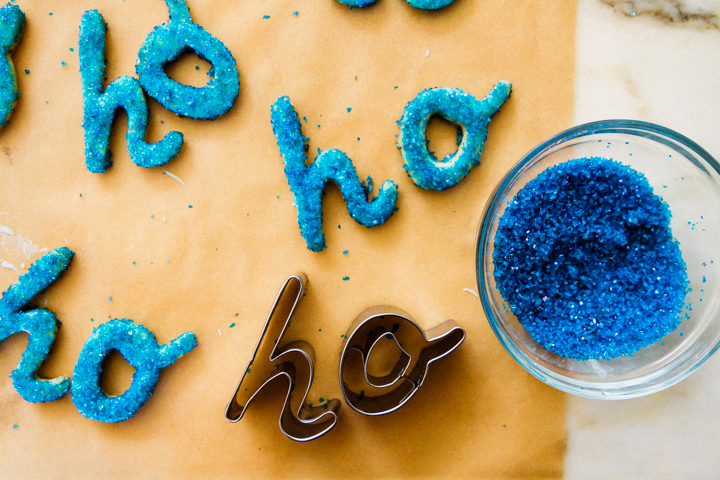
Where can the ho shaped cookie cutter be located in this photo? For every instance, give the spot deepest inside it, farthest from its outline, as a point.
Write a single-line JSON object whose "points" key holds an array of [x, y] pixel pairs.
{"points": [[294, 362]]}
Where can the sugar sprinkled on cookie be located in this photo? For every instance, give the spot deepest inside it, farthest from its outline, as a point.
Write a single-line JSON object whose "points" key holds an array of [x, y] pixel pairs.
{"points": [[165, 44], [41, 326], [308, 183], [421, 4], [456, 106], [140, 348], [12, 23], [99, 108], [585, 258]]}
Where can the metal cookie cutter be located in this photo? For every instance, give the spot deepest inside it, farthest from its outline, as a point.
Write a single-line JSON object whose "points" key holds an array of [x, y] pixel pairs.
{"points": [[293, 363], [385, 393]]}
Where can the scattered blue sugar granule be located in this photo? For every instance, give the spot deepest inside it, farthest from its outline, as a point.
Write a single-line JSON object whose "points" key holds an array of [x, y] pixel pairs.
{"points": [[585, 258]]}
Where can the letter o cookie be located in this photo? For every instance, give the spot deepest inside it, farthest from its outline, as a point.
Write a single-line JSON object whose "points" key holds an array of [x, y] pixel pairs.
{"points": [[458, 107], [165, 44], [138, 346]]}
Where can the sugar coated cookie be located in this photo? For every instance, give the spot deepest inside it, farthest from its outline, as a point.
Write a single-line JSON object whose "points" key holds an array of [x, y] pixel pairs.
{"points": [[429, 4], [358, 3], [459, 107], [99, 107], [166, 43], [138, 346], [421, 4], [308, 183], [40, 325], [12, 23]]}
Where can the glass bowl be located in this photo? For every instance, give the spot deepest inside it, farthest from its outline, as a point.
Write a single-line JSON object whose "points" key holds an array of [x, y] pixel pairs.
{"points": [[688, 179]]}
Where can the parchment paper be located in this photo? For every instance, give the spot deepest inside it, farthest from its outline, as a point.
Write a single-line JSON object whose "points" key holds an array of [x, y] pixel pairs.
{"points": [[201, 269]]}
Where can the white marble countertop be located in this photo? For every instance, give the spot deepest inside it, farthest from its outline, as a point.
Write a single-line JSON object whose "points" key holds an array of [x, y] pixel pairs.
{"points": [[656, 61]]}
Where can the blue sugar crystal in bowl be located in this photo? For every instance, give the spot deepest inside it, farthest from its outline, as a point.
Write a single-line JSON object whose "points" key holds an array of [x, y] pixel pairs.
{"points": [[595, 259]]}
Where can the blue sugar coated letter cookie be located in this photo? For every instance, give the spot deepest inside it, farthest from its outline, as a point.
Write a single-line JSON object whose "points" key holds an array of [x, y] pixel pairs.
{"points": [[40, 325], [308, 183], [166, 43], [140, 348], [12, 23], [358, 3], [99, 107], [455, 106], [585, 258], [421, 4]]}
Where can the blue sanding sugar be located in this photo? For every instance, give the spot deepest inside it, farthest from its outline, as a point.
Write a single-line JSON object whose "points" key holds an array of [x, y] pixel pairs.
{"points": [[585, 258]]}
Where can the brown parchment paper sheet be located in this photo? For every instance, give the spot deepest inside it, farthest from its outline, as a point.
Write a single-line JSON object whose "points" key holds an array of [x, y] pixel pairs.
{"points": [[479, 415]]}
